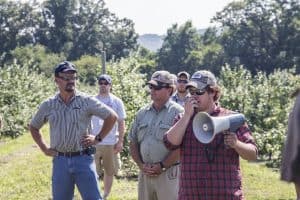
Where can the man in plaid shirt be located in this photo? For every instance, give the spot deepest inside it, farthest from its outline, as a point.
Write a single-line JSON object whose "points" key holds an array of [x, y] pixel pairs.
{"points": [[209, 171]]}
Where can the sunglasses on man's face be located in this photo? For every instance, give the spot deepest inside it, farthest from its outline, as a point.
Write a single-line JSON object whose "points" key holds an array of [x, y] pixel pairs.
{"points": [[156, 87], [182, 81], [196, 92], [65, 78], [103, 83]]}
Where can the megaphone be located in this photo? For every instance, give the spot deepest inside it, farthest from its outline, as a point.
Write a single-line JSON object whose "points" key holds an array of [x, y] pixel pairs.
{"points": [[205, 127]]}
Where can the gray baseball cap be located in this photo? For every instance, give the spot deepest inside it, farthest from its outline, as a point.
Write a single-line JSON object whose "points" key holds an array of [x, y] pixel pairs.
{"points": [[201, 79]]}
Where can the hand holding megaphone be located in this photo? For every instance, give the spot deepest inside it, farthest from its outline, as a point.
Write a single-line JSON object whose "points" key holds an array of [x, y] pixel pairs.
{"points": [[190, 106], [230, 139], [205, 127]]}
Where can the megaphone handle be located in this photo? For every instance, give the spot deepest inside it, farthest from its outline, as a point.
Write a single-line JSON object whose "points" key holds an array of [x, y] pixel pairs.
{"points": [[227, 146]]}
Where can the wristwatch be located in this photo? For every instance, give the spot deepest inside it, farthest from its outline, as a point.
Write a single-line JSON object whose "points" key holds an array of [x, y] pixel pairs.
{"points": [[163, 168], [98, 138]]}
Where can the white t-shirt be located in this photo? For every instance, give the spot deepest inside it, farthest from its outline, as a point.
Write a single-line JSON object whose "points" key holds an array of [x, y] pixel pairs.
{"points": [[117, 105]]}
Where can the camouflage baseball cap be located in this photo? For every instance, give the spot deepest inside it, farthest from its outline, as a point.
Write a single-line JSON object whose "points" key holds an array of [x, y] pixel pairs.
{"points": [[162, 77], [184, 73], [105, 77], [201, 79]]}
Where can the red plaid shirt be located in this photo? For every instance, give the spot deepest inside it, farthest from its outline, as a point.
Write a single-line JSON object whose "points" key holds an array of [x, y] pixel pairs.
{"points": [[210, 171]]}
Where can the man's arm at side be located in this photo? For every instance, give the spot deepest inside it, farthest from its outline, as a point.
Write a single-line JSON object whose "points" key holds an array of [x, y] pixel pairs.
{"points": [[134, 152], [37, 137], [121, 130]]}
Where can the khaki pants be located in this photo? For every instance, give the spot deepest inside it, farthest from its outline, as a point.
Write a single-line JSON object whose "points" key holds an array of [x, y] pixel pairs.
{"points": [[162, 187], [106, 159]]}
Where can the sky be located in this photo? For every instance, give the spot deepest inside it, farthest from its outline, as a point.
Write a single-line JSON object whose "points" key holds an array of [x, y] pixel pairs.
{"points": [[156, 16]]}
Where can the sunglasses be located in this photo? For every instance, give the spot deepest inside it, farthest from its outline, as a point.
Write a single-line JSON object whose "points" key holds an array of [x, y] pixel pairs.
{"points": [[157, 87], [197, 92], [103, 83], [68, 78], [182, 81]]}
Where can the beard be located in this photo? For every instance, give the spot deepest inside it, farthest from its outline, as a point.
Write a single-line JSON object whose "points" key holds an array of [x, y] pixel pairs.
{"points": [[181, 90], [70, 88]]}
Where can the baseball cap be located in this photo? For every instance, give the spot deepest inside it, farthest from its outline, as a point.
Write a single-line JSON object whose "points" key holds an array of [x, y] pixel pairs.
{"points": [[161, 78], [187, 75], [65, 66], [201, 79], [105, 77]]}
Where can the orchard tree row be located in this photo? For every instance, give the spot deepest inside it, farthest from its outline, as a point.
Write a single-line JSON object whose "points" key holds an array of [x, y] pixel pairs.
{"points": [[264, 99]]}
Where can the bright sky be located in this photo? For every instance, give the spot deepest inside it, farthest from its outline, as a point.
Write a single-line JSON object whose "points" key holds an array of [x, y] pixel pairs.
{"points": [[156, 16]]}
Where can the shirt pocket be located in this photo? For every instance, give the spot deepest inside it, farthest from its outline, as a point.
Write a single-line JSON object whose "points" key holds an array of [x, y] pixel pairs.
{"points": [[141, 131], [163, 128]]}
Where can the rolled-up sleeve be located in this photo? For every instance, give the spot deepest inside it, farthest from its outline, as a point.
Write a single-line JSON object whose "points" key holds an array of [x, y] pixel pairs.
{"points": [[40, 117]]}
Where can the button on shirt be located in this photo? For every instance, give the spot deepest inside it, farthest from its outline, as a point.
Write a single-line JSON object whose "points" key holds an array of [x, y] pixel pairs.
{"points": [[69, 122], [149, 128]]}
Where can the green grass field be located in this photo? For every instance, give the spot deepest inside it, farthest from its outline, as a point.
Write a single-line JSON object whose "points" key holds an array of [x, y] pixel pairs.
{"points": [[26, 175]]}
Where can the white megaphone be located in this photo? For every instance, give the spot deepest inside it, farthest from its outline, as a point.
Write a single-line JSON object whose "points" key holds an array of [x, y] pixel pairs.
{"points": [[205, 127]]}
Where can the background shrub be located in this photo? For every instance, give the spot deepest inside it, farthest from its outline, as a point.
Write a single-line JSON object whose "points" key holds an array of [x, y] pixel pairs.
{"points": [[21, 90], [266, 103]]}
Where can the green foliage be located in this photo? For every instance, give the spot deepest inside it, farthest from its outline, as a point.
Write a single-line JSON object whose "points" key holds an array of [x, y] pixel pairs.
{"points": [[88, 69], [178, 51], [21, 90], [265, 102], [39, 58], [262, 35], [85, 27], [72, 27], [129, 85], [17, 24]]}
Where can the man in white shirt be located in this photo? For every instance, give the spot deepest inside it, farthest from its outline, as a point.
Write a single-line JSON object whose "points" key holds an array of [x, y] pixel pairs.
{"points": [[108, 149]]}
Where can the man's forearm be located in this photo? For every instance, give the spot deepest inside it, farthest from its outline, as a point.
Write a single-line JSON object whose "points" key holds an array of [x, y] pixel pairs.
{"points": [[107, 125], [37, 137], [121, 129], [134, 151], [172, 158]]}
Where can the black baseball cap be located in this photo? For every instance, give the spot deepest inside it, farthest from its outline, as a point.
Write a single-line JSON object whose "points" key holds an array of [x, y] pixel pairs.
{"points": [[65, 66]]}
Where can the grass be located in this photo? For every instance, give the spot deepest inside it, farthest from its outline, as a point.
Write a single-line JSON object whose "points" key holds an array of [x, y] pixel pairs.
{"points": [[26, 174]]}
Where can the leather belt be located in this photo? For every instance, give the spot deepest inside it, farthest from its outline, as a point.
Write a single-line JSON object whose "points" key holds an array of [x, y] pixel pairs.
{"points": [[88, 151]]}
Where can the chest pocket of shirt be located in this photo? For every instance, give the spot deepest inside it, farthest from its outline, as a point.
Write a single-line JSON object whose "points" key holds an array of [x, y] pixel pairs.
{"points": [[141, 132], [163, 128]]}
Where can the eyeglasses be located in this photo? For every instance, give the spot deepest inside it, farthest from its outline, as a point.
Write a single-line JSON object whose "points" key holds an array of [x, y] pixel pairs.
{"points": [[68, 78], [182, 81], [197, 92], [103, 83], [157, 87]]}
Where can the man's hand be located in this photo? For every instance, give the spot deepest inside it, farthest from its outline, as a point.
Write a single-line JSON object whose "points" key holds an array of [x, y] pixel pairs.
{"points": [[230, 139], [152, 169], [50, 152], [118, 147], [88, 140]]}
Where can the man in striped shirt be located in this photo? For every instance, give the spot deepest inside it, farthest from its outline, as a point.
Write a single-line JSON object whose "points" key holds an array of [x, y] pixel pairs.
{"points": [[209, 171], [69, 115]]}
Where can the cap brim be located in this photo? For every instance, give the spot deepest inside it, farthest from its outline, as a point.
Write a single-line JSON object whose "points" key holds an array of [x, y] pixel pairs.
{"points": [[69, 70], [153, 82], [195, 84]]}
